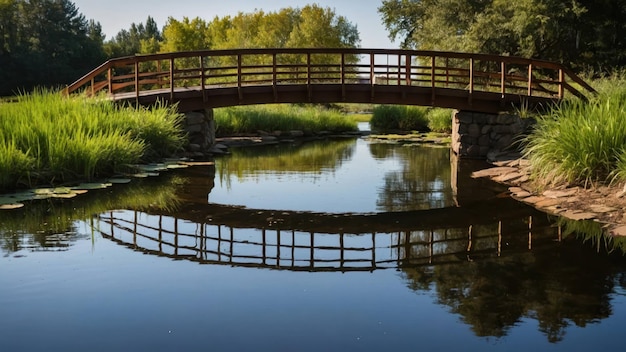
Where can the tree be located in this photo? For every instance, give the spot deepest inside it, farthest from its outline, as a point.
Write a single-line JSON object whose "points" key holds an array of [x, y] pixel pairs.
{"points": [[139, 38], [45, 42], [576, 32]]}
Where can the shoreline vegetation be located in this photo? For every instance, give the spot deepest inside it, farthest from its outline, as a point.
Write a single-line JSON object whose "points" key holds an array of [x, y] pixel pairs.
{"points": [[47, 139]]}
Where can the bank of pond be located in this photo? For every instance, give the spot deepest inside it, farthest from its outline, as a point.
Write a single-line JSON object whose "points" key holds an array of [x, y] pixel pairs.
{"points": [[47, 139]]}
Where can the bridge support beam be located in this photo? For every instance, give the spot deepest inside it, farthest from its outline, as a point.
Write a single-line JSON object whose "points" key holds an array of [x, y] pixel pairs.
{"points": [[200, 128], [485, 136]]}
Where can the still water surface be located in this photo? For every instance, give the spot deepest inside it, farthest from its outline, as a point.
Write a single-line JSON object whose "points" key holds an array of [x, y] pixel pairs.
{"points": [[326, 246]]}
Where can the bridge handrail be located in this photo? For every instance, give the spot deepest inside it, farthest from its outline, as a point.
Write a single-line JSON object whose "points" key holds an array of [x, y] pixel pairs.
{"points": [[401, 73]]}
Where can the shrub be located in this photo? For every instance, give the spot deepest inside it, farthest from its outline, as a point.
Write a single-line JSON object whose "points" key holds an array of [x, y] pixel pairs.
{"points": [[439, 120], [393, 117]]}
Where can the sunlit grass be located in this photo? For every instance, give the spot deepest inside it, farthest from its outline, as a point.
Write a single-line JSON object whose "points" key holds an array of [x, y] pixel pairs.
{"points": [[46, 138], [387, 118], [251, 119], [582, 142]]}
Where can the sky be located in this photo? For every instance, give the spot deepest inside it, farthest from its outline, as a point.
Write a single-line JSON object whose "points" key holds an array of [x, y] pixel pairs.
{"points": [[115, 15]]}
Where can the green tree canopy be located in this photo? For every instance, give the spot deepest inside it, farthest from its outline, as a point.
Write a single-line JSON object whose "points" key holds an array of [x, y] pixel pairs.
{"points": [[45, 43], [581, 33]]}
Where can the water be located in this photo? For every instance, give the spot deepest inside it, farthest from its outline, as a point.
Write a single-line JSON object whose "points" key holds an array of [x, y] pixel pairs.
{"points": [[330, 246]]}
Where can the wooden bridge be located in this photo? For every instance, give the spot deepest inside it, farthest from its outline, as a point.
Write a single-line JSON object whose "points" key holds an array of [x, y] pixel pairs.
{"points": [[219, 78]]}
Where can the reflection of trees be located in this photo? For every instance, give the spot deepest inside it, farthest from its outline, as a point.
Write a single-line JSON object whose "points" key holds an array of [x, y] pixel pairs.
{"points": [[425, 180], [558, 284], [51, 224], [308, 157]]}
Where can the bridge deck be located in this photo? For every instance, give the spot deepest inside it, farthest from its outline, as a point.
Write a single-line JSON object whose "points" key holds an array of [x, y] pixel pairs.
{"points": [[258, 76]]}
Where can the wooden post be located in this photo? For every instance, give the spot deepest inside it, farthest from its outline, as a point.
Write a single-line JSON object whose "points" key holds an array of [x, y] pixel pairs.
{"points": [[502, 78], [374, 250], [239, 72], [433, 62], [202, 78], [499, 238], [561, 81], [136, 82], [308, 75], [399, 69], [372, 76], [408, 70], [530, 232], [274, 77], [172, 80], [312, 257], [471, 79], [341, 249], [278, 248], [263, 246], [343, 77], [530, 79], [110, 80]]}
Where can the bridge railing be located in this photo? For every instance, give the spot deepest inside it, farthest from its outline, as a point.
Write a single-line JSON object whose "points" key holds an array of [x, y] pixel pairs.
{"points": [[144, 74], [285, 249]]}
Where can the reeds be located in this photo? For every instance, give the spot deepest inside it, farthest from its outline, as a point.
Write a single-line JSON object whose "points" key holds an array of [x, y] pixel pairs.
{"points": [[46, 138], [387, 118], [582, 142], [251, 119]]}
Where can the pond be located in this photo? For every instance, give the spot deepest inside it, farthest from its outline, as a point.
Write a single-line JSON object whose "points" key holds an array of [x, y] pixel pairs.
{"points": [[342, 245]]}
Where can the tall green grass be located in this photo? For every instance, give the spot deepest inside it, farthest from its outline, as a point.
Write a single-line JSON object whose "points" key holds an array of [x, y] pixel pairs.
{"points": [[582, 142], [46, 138], [387, 118], [251, 119]]}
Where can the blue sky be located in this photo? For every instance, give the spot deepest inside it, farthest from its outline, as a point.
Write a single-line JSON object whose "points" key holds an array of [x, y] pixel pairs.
{"points": [[115, 15]]}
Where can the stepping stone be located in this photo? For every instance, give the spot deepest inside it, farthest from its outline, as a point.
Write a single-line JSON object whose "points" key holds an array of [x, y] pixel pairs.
{"points": [[570, 214], [534, 199], [508, 177], [598, 208], [495, 171], [548, 203], [561, 194], [618, 231]]}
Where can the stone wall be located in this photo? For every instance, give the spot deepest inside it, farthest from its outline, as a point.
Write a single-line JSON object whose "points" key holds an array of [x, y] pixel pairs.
{"points": [[200, 128], [485, 136]]}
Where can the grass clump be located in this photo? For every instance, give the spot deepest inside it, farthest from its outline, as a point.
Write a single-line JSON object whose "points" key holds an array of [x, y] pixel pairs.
{"points": [[387, 118], [581, 142], [439, 120], [251, 119], [46, 138]]}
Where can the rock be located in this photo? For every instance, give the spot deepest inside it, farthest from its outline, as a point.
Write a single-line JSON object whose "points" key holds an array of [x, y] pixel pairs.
{"points": [[599, 208], [494, 171], [296, 133], [573, 215], [618, 231], [547, 203], [508, 177], [560, 194], [194, 147]]}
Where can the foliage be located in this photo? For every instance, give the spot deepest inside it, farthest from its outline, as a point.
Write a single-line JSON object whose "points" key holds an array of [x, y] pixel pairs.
{"points": [[139, 38], [582, 142], [251, 119], [46, 138], [581, 33], [310, 26], [45, 43], [439, 120], [387, 118]]}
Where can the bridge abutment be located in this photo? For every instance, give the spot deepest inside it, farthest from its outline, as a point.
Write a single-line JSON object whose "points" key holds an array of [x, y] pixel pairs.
{"points": [[479, 135], [200, 129]]}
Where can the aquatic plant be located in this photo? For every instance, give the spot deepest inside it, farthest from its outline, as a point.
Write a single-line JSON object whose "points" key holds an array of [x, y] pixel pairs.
{"points": [[47, 138], [398, 117], [280, 117], [581, 142]]}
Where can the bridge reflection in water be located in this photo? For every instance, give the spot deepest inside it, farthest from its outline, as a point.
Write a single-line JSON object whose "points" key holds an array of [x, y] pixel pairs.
{"points": [[296, 250]]}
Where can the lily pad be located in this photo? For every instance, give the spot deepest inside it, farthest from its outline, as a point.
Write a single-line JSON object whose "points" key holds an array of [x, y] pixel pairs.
{"points": [[11, 206], [64, 195], [95, 185], [177, 166], [119, 180]]}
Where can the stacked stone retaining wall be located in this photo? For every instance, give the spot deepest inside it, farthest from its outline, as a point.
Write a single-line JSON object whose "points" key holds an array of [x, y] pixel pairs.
{"points": [[200, 128], [484, 136]]}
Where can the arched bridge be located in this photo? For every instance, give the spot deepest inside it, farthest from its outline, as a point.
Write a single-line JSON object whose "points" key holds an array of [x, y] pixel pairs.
{"points": [[219, 78]]}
